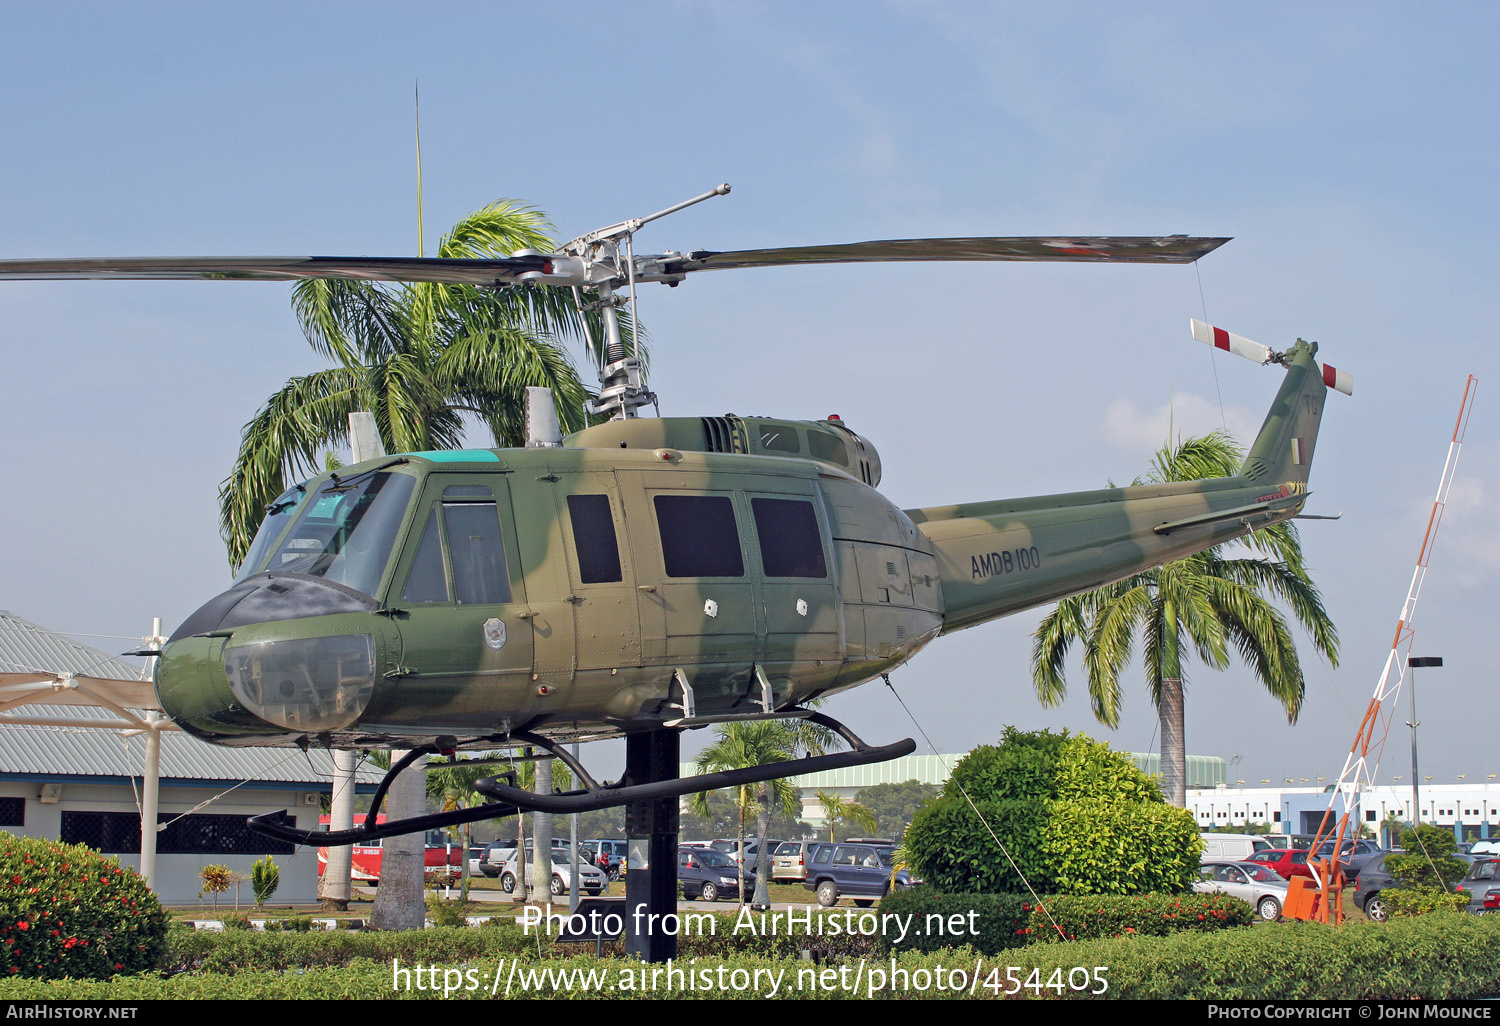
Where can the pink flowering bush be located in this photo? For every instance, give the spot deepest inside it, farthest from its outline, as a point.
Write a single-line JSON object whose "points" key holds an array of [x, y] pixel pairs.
{"points": [[67, 911]]}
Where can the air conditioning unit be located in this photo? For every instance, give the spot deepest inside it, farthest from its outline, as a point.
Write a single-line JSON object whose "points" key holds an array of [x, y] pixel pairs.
{"points": [[310, 798]]}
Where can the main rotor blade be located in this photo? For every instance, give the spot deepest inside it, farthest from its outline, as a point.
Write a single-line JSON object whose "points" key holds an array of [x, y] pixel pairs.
{"points": [[1170, 249], [496, 271]]}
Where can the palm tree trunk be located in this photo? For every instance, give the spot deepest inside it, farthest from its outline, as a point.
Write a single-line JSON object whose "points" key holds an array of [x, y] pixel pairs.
{"points": [[1173, 744], [399, 903], [762, 899]]}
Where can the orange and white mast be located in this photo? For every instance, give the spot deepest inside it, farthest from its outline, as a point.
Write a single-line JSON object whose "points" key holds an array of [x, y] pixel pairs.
{"points": [[1360, 766]]}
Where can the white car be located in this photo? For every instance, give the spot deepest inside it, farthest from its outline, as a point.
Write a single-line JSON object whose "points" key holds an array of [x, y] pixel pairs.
{"points": [[590, 880], [1259, 885]]}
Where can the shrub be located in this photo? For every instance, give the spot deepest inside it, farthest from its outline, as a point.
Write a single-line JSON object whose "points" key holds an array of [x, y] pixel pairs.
{"points": [[292, 924], [215, 880], [1428, 860], [66, 910], [446, 913], [1403, 902], [1076, 817], [265, 878]]}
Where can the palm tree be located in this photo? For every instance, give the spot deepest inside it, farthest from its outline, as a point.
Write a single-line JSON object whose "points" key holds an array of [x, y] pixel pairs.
{"points": [[1206, 602], [847, 809], [418, 356], [451, 784], [744, 743]]}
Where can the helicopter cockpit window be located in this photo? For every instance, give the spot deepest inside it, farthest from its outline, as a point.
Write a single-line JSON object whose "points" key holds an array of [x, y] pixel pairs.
{"points": [[278, 515], [594, 538], [427, 580], [477, 552], [827, 447], [346, 531], [699, 536], [790, 545]]}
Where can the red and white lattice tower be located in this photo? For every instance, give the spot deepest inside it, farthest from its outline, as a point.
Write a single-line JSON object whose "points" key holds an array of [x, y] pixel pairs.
{"points": [[1364, 756]]}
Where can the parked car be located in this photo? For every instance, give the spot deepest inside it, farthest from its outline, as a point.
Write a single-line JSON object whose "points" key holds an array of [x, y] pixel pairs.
{"points": [[1374, 879], [707, 875], [590, 880], [1253, 882], [610, 855], [860, 871], [789, 860], [1232, 847], [1482, 885], [749, 848], [1287, 862], [1354, 854]]}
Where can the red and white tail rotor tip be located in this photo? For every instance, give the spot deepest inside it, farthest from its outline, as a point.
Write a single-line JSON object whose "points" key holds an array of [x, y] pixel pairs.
{"points": [[1239, 345]]}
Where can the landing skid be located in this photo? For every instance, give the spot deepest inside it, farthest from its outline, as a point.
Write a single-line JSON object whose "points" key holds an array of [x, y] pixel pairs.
{"points": [[512, 800]]}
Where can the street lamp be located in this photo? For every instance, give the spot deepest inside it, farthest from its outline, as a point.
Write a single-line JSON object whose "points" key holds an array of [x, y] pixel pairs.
{"points": [[1412, 663]]}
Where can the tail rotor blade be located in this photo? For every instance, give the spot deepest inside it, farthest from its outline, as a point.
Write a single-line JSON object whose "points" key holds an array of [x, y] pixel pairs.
{"points": [[1239, 345]]}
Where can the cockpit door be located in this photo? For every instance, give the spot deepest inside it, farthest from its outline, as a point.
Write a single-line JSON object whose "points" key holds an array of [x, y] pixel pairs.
{"points": [[460, 601]]}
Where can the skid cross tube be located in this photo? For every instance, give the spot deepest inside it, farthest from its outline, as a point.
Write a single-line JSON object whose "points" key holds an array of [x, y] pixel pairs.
{"points": [[512, 800], [589, 800]]}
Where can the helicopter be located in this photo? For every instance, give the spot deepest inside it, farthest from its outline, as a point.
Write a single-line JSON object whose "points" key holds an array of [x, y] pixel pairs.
{"points": [[650, 573]]}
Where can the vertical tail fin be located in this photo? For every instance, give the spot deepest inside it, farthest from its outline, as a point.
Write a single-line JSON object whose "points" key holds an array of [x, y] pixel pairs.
{"points": [[1283, 451]]}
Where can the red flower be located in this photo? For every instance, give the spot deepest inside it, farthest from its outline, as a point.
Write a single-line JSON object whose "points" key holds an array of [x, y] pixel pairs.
{"points": [[23, 925]]}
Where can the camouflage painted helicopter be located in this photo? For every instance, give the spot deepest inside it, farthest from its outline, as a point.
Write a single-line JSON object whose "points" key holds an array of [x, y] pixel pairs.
{"points": [[651, 573]]}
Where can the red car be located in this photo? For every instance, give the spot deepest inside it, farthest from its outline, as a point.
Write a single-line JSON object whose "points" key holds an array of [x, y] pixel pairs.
{"points": [[1287, 862]]}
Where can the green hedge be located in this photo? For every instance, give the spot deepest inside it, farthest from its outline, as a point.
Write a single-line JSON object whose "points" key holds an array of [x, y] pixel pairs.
{"points": [[992, 923], [1439, 956]]}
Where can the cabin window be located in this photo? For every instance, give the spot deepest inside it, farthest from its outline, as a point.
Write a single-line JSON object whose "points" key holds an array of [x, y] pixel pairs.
{"points": [[790, 545], [477, 552], [699, 536], [427, 581], [779, 438], [828, 447], [594, 538]]}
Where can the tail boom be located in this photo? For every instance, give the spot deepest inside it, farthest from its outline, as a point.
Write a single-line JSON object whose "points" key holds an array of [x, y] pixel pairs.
{"points": [[997, 558]]}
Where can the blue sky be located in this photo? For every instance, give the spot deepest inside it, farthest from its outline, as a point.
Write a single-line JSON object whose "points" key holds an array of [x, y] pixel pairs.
{"points": [[1350, 149]]}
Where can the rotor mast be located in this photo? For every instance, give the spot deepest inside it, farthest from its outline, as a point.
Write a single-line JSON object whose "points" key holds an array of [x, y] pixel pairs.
{"points": [[622, 386]]}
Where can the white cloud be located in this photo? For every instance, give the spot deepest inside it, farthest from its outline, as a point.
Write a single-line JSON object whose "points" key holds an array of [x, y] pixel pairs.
{"points": [[1143, 431]]}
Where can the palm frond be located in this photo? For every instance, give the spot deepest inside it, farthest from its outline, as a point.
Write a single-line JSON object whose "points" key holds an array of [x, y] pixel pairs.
{"points": [[288, 434]]}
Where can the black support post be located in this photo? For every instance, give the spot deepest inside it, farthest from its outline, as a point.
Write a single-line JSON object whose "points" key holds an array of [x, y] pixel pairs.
{"points": [[651, 836]]}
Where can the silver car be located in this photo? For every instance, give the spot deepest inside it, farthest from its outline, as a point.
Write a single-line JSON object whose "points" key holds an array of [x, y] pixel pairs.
{"points": [[1259, 885], [590, 880], [1482, 885]]}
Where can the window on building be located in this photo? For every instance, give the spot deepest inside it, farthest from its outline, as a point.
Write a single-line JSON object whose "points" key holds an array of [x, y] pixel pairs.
{"points": [[119, 833]]}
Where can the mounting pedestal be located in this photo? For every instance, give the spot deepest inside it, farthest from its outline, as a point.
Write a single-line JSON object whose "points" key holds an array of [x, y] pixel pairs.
{"points": [[651, 838]]}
